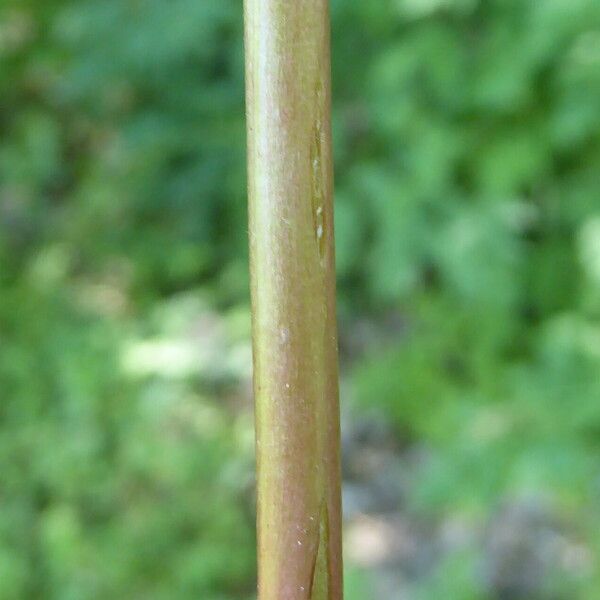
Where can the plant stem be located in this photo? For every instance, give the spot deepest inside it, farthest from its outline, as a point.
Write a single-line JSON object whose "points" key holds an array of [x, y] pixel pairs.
{"points": [[293, 299]]}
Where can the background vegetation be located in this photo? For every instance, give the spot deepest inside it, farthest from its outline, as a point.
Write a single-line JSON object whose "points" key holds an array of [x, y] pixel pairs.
{"points": [[468, 229]]}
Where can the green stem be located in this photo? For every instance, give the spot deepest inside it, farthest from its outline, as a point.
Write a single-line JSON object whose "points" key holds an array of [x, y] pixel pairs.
{"points": [[293, 299]]}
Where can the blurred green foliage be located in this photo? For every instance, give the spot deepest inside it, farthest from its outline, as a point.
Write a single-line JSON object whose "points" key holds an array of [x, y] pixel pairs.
{"points": [[468, 202]]}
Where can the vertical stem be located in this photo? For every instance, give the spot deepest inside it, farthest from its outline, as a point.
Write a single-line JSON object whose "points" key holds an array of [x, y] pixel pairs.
{"points": [[293, 299]]}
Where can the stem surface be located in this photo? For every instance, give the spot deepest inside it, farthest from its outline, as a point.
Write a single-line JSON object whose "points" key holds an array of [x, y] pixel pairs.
{"points": [[293, 299]]}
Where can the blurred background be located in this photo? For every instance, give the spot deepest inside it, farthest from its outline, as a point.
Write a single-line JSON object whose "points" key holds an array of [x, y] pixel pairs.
{"points": [[467, 144]]}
